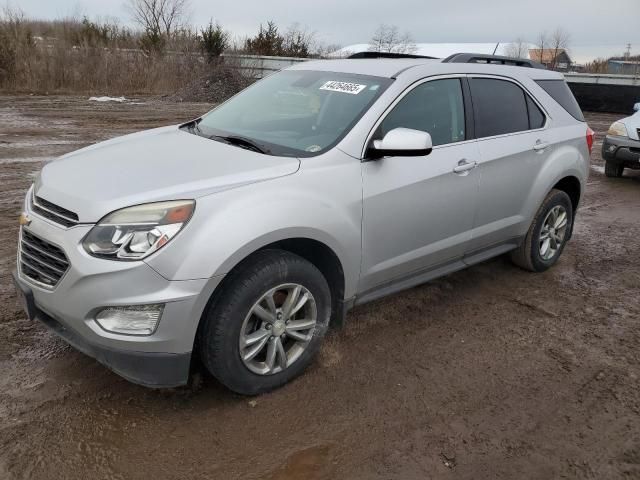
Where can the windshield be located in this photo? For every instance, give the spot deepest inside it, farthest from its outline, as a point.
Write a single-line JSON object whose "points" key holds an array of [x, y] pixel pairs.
{"points": [[294, 112]]}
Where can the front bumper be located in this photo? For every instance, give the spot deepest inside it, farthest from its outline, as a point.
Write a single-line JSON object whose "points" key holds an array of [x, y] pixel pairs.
{"points": [[90, 284], [157, 370], [621, 150]]}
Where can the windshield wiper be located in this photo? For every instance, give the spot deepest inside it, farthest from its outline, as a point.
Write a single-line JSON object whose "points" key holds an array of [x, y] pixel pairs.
{"points": [[242, 142]]}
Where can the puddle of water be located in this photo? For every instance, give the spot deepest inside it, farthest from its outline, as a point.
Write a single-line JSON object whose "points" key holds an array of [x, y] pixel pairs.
{"points": [[15, 120], [309, 464], [10, 119]]}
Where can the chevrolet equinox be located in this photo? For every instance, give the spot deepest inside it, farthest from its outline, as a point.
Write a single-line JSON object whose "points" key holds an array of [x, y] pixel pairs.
{"points": [[238, 238]]}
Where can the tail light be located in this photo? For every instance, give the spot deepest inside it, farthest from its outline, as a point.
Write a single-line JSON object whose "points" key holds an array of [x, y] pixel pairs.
{"points": [[591, 135]]}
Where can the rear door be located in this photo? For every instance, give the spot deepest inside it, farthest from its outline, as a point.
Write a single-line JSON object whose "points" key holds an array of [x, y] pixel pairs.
{"points": [[514, 144]]}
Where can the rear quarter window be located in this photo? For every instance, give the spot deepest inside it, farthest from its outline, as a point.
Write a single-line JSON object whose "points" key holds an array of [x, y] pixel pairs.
{"points": [[560, 92], [536, 117]]}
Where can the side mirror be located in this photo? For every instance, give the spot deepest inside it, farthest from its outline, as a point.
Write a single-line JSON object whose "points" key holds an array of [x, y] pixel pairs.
{"points": [[401, 142], [636, 107]]}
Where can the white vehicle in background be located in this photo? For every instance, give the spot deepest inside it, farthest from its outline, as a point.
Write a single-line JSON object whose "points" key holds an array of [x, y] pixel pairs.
{"points": [[621, 147]]}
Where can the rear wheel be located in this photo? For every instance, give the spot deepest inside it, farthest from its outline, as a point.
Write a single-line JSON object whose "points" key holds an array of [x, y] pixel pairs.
{"points": [[267, 323], [547, 235], [613, 169]]}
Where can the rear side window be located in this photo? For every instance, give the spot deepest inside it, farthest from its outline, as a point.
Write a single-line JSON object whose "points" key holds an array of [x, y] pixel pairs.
{"points": [[500, 107], [559, 90]]}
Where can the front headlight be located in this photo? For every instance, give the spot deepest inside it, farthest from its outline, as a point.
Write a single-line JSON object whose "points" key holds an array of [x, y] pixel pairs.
{"points": [[136, 232], [618, 129]]}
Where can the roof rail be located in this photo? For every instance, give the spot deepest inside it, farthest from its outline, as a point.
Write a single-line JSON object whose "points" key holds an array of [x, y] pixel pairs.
{"points": [[387, 55], [492, 60]]}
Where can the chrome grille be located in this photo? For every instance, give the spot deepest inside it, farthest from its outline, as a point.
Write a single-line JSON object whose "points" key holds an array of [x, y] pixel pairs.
{"points": [[40, 260], [53, 212]]}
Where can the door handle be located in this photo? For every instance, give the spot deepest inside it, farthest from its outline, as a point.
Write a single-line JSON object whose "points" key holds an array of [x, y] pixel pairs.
{"points": [[464, 166], [540, 145]]}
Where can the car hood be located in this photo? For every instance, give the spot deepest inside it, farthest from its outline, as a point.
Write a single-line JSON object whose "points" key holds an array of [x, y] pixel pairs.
{"points": [[160, 164], [633, 124]]}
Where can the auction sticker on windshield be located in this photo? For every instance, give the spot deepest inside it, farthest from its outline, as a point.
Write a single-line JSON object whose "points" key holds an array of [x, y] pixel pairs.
{"points": [[344, 87]]}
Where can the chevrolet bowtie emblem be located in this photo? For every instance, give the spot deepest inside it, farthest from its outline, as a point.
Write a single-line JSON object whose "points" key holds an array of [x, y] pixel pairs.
{"points": [[24, 219]]}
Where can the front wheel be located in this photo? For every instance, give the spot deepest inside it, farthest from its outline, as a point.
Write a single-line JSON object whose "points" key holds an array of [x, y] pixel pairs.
{"points": [[266, 324], [547, 235], [613, 169]]}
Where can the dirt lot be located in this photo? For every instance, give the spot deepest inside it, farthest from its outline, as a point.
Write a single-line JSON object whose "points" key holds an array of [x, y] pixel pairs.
{"points": [[488, 373]]}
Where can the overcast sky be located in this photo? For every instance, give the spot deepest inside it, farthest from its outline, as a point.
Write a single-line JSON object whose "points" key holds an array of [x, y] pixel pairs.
{"points": [[599, 27]]}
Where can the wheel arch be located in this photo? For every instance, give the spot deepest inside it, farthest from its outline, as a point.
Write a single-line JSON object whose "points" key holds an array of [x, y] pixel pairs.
{"points": [[572, 187], [318, 253], [325, 260]]}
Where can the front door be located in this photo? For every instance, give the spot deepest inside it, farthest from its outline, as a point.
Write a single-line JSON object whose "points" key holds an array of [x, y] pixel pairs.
{"points": [[419, 211]]}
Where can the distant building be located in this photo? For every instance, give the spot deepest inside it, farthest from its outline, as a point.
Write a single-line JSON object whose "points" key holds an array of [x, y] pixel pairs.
{"points": [[552, 58], [624, 67]]}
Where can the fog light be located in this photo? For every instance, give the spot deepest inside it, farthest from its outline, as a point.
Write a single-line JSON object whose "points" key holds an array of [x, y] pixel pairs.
{"points": [[130, 320]]}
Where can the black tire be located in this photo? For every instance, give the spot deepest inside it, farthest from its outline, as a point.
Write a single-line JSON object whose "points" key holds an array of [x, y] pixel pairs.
{"points": [[527, 255], [613, 169], [220, 333]]}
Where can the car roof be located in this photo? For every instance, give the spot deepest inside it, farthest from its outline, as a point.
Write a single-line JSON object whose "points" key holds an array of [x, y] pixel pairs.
{"points": [[393, 67]]}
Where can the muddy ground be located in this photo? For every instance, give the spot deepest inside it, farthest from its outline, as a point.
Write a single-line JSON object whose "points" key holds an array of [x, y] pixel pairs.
{"points": [[492, 372]]}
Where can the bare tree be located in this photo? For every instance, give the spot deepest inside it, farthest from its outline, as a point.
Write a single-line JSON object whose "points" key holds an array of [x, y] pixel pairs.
{"points": [[542, 43], [160, 20], [517, 49], [298, 41], [387, 38], [559, 41], [599, 65], [550, 47], [323, 50], [159, 17]]}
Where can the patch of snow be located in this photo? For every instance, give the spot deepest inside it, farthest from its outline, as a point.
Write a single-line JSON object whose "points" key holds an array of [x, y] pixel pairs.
{"points": [[598, 168], [108, 99]]}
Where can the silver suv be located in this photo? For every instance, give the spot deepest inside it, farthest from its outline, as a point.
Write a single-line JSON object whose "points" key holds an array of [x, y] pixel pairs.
{"points": [[237, 239]]}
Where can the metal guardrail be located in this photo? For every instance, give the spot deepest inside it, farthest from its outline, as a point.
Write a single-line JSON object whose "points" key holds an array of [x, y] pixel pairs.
{"points": [[258, 66], [602, 78]]}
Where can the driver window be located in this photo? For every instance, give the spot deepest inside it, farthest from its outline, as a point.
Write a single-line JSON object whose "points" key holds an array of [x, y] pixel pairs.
{"points": [[436, 107]]}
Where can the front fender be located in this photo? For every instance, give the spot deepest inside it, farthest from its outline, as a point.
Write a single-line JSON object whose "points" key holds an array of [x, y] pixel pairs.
{"points": [[230, 225]]}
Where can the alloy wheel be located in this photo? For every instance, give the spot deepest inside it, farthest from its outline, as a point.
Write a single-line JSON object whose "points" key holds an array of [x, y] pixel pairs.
{"points": [[278, 329], [553, 232]]}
